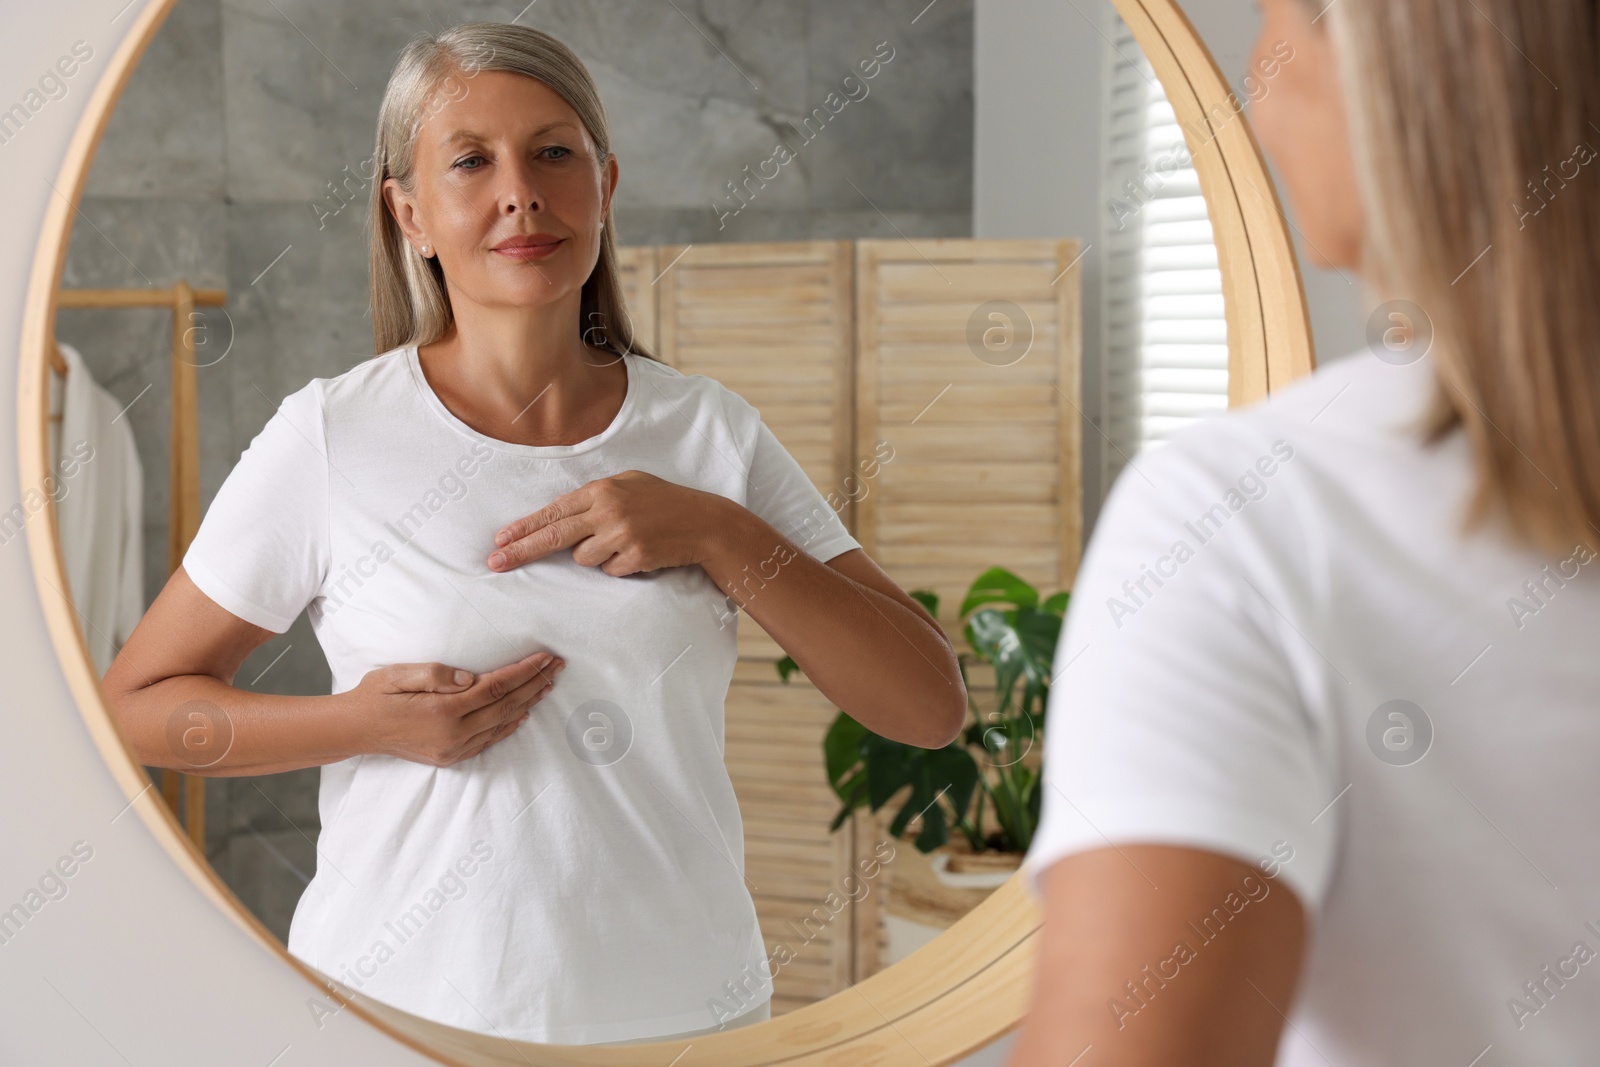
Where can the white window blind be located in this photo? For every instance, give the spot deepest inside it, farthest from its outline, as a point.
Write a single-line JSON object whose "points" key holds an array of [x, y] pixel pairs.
{"points": [[1165, 343]]}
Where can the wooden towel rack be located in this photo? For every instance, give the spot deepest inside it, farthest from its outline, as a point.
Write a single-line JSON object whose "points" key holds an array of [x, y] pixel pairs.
{"points": [[184, 516]]}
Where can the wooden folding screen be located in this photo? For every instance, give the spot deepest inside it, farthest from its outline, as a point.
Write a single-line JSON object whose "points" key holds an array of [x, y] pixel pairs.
{"points": [[853, 350], [967, 392], [636, 265], [967, 366]]}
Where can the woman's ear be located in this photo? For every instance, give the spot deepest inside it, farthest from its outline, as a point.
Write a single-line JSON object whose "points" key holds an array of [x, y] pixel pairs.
{"points": [[404, 211], [609, 181]]}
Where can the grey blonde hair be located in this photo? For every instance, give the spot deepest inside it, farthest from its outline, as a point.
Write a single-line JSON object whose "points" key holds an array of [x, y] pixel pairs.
{"points": [[1473, 168], [410, 304]]}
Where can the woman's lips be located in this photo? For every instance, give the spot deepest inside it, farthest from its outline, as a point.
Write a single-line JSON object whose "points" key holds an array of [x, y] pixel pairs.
{"points": [[526, 252]]}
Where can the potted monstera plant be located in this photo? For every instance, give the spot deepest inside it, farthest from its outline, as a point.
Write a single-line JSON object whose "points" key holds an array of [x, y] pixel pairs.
{"points": [[976, 801]]}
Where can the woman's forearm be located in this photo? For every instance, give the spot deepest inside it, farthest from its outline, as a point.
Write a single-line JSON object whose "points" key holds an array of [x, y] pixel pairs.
{"points": [[200, 725], [879, 660]]}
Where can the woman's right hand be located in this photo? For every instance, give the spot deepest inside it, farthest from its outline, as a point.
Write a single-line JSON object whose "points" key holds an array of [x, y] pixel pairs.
{"points": [[436, 714]]}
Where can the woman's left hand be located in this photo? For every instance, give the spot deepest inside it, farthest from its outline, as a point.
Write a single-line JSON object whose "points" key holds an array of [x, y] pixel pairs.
{"points": [[624, 524]]}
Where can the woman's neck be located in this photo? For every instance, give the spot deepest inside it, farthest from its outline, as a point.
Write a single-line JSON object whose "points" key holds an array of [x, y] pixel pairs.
{"points": [[527, 387]]}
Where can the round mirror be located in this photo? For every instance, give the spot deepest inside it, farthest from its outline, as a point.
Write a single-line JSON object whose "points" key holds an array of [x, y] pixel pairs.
{"points": [[958, 290]]}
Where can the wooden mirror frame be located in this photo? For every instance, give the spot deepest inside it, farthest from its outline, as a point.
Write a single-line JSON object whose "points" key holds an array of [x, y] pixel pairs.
{"points": [[971, 984]]}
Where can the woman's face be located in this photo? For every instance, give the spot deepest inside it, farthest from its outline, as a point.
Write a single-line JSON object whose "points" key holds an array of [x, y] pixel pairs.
{"points": [[501, 155], [1300, 122]]}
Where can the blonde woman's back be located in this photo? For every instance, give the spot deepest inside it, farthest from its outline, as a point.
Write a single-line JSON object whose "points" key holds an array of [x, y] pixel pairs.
{"points": [[1285, 651]]}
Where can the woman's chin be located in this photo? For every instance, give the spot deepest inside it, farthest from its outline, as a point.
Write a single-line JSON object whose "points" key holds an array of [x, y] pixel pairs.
{"points": [[532, 292]]}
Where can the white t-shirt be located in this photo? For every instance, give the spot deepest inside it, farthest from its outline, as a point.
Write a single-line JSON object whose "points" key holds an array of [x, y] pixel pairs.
{"points": [[582, 880], [1257, 596]]}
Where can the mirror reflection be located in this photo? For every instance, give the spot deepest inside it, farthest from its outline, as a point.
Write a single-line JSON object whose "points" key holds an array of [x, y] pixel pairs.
{"points": [[787, 423]]}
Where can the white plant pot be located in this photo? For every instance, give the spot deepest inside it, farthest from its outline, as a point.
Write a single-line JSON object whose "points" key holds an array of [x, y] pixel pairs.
{"points": [[970, 879], [934, 897]]}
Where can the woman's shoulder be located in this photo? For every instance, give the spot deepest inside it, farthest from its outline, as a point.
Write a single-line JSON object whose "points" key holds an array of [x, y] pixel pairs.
{"points": [[1325, 450], [664, 375], [666, 383], [1347, 411], [1383, 397], [368, 380], [365, 381]]}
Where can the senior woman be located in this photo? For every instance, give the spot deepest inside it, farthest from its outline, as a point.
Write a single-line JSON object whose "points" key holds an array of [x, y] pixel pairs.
{"points": [[1322, 752], [514, 490]]}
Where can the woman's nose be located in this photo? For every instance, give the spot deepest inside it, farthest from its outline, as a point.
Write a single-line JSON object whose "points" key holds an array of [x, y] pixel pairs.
{"points": [[517, 190]]}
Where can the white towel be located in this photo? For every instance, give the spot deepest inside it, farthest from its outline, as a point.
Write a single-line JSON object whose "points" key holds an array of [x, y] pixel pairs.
{"points": [[100, 513]]}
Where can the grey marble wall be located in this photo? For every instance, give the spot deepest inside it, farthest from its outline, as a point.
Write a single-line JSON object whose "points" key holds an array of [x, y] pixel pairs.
{"points": [[216, 169]]}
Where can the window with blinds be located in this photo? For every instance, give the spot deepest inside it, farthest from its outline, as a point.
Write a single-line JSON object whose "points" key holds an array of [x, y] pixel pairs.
{"points": [[1165, 343]]}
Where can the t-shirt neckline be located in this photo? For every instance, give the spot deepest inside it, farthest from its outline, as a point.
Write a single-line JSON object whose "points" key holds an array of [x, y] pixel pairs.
{"points": [[420, 380]]}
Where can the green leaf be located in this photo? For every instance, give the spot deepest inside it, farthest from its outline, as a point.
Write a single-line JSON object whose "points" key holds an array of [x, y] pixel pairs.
{"points": [[854, 794], [1009, 628], [1039, 632], [787, 666], [1032, 801], [844, 746], [998, 585], [976, 734], [907, 811], [954, 770], [848, 787], [992, 635], [889, 768], [1005, 740], [935, 832], [1018, 644], [1006, 810]]}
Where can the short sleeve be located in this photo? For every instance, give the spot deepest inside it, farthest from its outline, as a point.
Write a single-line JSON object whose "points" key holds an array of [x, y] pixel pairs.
{"points": [[262, 549], [779, 491], [1177, 712]]}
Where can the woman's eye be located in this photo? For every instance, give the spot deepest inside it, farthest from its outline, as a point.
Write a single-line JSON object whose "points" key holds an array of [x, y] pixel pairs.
{"points": [[462, 163]]}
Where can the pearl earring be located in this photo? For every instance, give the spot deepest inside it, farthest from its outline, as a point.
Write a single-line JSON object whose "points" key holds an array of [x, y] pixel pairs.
{"points": [[424, 251]]}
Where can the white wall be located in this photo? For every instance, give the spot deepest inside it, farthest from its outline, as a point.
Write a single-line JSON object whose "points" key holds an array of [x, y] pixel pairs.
{"points": [[1338, 307], [1037, 74], [1036, 169]]}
